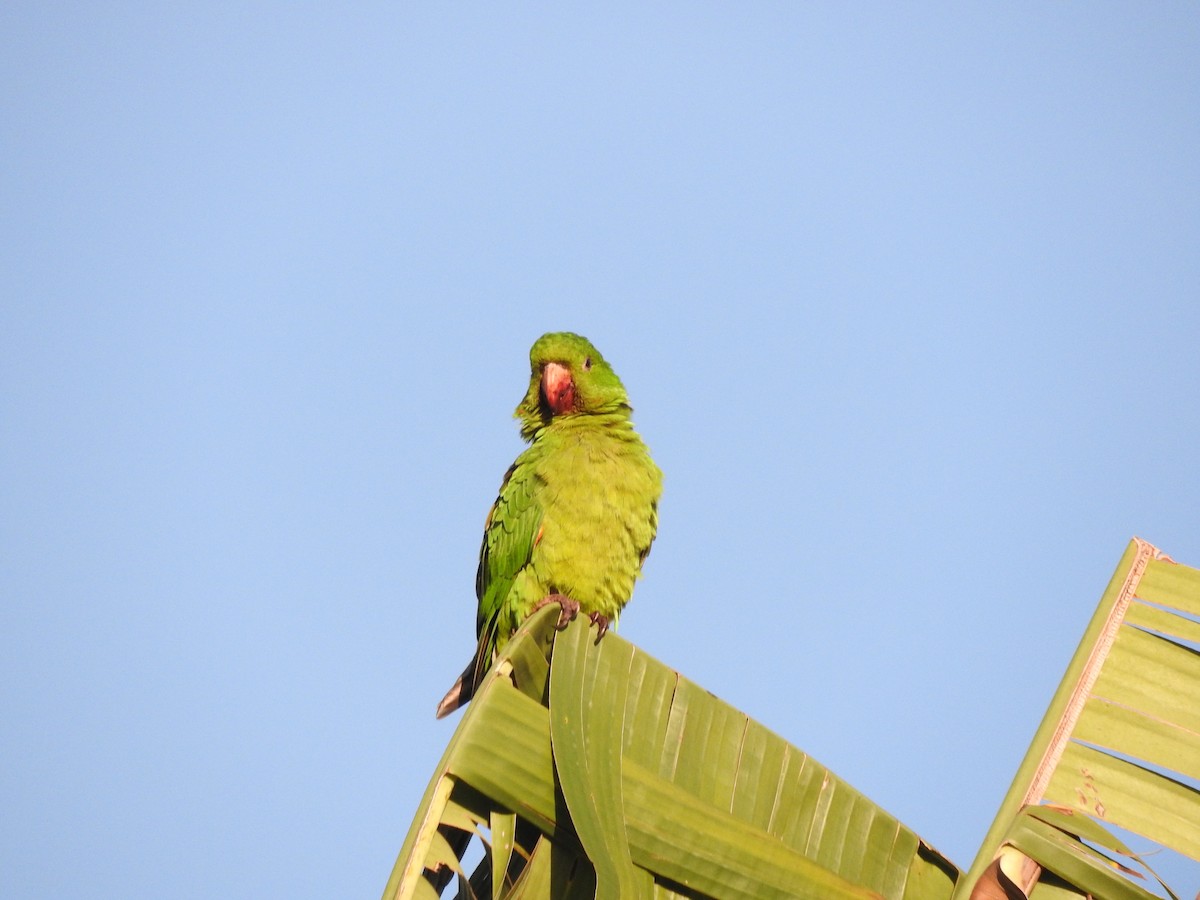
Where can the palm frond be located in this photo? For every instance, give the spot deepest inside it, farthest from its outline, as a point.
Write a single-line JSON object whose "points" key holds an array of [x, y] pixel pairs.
{"points": [[1118, 744], [593, 770]]}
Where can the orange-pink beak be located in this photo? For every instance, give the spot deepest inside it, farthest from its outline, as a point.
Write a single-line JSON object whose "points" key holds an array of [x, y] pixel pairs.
{"points": [[557, 388]]}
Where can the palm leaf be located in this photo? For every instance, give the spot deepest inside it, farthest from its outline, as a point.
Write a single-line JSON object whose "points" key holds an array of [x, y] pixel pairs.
{"points": [[1117, 745], [597, 771], [591, 770]]}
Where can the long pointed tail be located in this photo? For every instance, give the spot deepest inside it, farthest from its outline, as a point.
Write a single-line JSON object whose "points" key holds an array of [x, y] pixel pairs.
{"points": [[464, 689]]}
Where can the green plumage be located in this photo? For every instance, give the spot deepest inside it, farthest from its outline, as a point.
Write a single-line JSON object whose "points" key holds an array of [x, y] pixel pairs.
{"points": [[577, 511]]}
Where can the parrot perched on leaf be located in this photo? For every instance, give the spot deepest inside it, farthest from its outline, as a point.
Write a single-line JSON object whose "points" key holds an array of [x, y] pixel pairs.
{"points": [[577, 510]]}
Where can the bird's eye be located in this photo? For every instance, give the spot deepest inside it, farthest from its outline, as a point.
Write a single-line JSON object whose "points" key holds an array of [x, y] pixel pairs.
{"points": [[587, 364]]}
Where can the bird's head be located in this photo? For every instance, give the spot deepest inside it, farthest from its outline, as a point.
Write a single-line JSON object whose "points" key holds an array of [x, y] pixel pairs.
{"points": [[568, 377]]}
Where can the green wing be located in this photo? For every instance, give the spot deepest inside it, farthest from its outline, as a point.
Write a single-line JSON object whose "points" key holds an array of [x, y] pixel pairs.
{"points": [[509, 536]]}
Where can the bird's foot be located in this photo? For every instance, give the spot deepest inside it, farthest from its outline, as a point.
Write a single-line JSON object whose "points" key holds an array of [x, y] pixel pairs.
{"points": [[601, 623], [570, 608]]}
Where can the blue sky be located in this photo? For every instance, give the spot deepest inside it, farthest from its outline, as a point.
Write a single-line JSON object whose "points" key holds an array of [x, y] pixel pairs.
{"points": [[905, 298]]}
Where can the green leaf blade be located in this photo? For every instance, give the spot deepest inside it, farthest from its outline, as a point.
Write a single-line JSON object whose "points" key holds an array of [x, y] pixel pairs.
{"points": [[1129, 796]]}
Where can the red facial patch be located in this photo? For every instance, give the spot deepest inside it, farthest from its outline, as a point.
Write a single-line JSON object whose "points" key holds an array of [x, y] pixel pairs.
{"points": [[558, 389]]}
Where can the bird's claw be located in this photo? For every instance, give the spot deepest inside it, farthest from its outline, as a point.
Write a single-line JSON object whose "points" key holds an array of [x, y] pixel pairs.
{"points": [[570, 609], [601, 623]]}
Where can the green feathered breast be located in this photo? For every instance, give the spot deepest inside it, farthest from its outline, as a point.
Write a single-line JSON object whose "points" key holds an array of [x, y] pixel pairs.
{"points": [[577, 511]]}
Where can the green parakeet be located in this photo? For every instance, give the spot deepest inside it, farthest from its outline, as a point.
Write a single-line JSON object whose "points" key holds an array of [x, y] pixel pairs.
{"points": [[577, 510]]}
